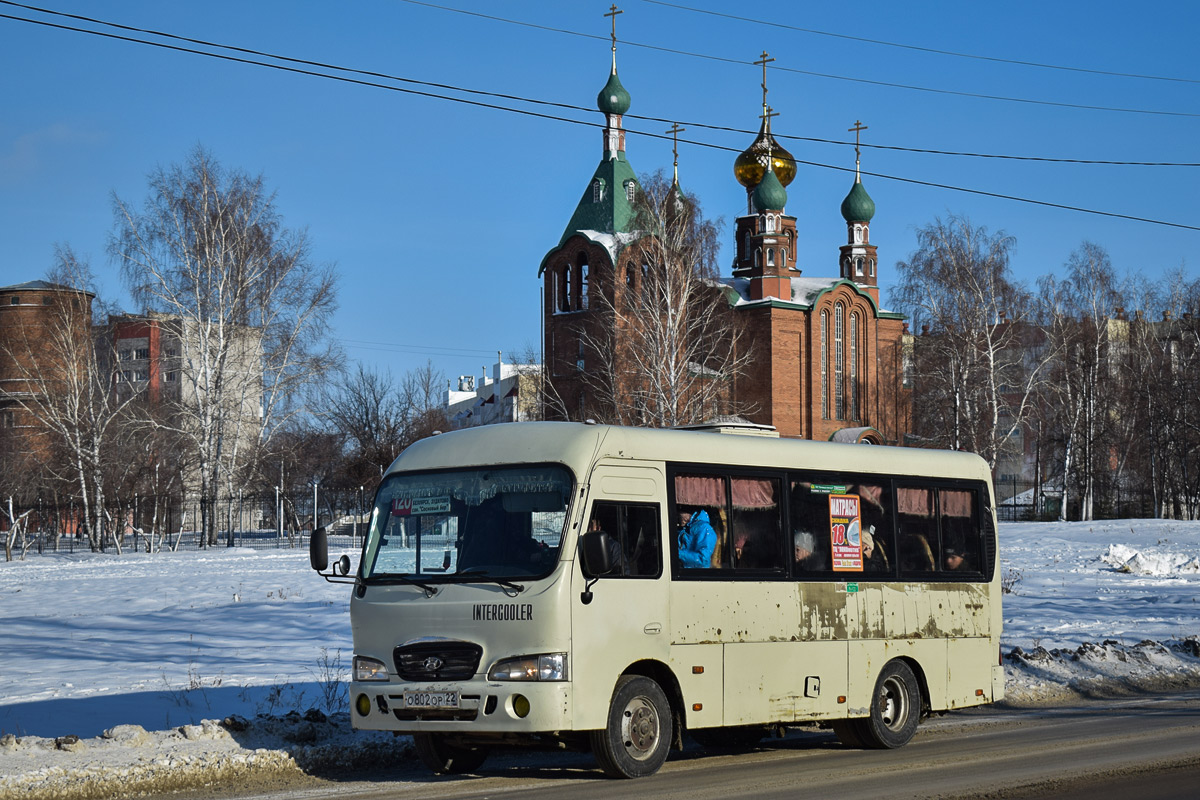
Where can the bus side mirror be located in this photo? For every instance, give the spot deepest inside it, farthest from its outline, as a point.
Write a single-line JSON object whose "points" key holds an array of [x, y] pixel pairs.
{"points": [[318, 550], [594, 550]]}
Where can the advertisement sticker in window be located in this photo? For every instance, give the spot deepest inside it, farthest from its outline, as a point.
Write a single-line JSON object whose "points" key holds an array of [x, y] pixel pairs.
{"points": [[845, 532]]}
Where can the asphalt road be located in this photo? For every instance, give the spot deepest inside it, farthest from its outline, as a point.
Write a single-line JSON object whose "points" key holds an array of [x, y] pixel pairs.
{"points": [[1148, 748]]}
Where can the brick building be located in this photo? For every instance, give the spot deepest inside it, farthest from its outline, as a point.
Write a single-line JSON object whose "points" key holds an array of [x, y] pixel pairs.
{"points": [[827, 361], [40, 324]]}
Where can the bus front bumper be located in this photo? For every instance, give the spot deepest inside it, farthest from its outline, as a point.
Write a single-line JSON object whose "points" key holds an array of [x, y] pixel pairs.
{"points": [[482, 706]]}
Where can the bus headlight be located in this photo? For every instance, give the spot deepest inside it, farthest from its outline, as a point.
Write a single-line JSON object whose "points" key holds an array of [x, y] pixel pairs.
{"points": [[549, 667], [369, 669]]}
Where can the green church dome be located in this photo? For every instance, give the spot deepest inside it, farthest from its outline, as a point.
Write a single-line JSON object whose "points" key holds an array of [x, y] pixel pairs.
{"points": [[858, 205], [769, 195], [613, 99]]}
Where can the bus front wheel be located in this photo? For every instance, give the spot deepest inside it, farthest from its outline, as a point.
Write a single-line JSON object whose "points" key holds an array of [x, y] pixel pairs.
{"points": [[895, 709], [442, 756], [634, 743]]}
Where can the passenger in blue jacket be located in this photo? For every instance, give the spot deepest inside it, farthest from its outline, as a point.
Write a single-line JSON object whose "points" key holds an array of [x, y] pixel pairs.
{"points": [[697, 539]]}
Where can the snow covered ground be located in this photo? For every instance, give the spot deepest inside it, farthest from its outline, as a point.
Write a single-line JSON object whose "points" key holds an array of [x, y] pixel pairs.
{"points": [[110, 665]]}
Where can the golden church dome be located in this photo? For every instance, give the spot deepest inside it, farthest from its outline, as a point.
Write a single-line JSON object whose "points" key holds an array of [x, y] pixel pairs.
{"points": [[751, 164]]}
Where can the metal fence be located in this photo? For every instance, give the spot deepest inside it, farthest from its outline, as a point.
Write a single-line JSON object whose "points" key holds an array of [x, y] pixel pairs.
{"points": [[141, 523]]}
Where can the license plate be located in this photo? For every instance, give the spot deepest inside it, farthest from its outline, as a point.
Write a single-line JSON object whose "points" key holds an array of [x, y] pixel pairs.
{"points": [[431, 699]]}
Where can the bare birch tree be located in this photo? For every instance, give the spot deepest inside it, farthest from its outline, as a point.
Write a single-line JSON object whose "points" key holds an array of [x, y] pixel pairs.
{"points": [[976, 366], [209, 253], [1083, 375], [663, 347]]}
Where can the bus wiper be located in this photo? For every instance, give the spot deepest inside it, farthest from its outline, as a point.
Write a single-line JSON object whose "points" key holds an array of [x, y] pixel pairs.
{"points": [[471, 572], [430, 590]]}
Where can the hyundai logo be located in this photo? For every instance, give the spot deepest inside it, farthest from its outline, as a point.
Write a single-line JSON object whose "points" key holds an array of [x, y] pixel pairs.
{"points": [[432, 664]]}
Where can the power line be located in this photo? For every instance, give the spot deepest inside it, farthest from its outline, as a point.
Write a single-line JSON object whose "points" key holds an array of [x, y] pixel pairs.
{"points": [[921, 49], [570, 106], [810, 73], [534, 114]]}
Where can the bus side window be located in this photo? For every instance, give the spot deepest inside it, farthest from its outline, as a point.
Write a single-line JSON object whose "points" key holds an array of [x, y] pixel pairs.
{"points": [[918, 529], [700, 534], [757, 529], [878, 549], [808, 526], [641, 541], [959, 519], [634, 532]]}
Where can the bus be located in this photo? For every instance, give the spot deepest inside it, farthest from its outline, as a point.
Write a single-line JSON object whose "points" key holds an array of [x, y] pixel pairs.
{"points": [[535, 584]]}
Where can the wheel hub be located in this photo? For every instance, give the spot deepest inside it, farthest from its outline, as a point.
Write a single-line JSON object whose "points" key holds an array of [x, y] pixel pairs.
{"points": [[640, 728]]}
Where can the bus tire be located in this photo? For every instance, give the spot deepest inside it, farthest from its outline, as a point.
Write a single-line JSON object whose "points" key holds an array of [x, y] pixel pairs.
{"points": [[895, 709], [639, 731], [442, 757]]}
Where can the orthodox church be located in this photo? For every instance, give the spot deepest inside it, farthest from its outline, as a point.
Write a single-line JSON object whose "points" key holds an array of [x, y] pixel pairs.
{"points": [[825, 362]]}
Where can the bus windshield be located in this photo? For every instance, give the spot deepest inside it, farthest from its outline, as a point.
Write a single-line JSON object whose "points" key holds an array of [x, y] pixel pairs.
{"points": [[499, 522]]}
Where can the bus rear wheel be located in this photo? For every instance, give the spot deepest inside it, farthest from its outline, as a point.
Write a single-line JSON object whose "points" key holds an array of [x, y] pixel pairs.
{"points": [[443, 757], [895, 709], [634, 742]]}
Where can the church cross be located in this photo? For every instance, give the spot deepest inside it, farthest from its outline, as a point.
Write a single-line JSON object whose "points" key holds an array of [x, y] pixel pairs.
{"points": [[675, 130], [612, 12], [767, 115], [857, 129], [763, 61]]}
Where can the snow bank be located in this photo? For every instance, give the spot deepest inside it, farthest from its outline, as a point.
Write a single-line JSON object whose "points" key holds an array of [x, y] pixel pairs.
{"points": [[1126, 559], [127, 759], [1109, 669]]}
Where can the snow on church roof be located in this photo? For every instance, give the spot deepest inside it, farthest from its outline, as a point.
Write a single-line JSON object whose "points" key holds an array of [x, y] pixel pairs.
{"points": [[805, 292]]}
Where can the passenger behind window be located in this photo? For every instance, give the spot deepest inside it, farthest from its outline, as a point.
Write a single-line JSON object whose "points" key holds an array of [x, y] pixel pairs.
{"points": [[807, 553], [874, 555], [955, 560], [696, 538]]}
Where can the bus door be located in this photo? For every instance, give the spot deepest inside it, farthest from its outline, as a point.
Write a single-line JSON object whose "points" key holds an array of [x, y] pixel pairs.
{"points": [[625, 618]]}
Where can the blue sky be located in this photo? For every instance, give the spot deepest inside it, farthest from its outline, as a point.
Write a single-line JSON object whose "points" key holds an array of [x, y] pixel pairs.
{"points": [[438, 213]]}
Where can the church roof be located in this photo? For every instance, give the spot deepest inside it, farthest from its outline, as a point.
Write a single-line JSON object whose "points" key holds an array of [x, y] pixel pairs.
{"points": [[613, 243], [858, 205], [613, 98], [805, 294], [612, 213], [769, 195]]}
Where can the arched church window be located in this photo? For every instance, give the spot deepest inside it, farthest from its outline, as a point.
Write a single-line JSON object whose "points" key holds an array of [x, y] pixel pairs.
{"points": [[854, 414], [630, 190], [770, 256], [564, 288], [839, 356], [872, 267], [824, 364], [858, 267], [858, 234], [784, 257], [756, 259], [583, 285], [597, 191]]}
